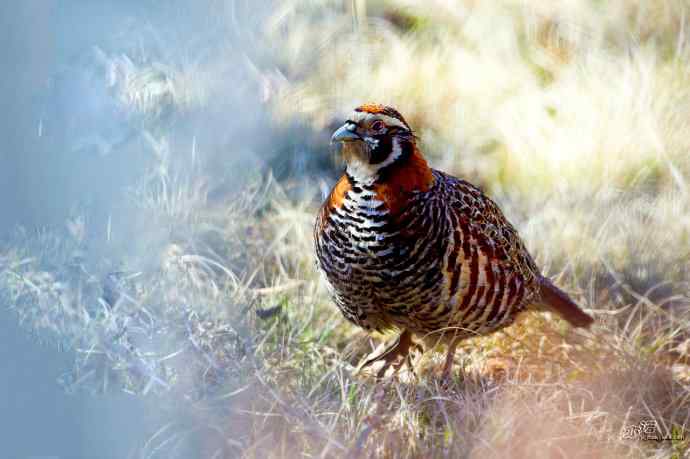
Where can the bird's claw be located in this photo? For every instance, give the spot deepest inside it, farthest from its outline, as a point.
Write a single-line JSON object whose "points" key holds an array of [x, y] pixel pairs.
{"points": [[395, 355]]}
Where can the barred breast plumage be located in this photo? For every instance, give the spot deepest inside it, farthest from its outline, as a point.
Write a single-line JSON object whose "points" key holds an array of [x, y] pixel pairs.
{"points": [[408, 247]]}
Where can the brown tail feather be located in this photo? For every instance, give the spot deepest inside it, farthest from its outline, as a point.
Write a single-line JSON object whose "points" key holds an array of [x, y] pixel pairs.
{"points": [[557, 300]]}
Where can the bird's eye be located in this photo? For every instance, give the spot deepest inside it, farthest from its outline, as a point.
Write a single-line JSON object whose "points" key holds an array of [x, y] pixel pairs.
{"points": [[377, 125]]}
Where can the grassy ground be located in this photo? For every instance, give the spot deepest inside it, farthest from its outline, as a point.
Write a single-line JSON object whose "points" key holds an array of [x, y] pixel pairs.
{"points": [[201, 287]]}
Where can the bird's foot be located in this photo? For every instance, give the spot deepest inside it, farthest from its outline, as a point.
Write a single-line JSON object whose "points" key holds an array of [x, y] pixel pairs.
{"points": [[394, 354]]}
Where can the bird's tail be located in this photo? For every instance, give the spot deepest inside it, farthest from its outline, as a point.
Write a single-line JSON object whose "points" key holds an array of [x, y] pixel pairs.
{"points": [[555, 299]]}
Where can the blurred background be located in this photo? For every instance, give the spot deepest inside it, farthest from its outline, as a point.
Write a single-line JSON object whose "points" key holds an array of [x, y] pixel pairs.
{"points": [[163, 162]]}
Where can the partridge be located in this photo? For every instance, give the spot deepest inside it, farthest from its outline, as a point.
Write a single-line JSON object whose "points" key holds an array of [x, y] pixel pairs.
{"points": [[410, 248]]}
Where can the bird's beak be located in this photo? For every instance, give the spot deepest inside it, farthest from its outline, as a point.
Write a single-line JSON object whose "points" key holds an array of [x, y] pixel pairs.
{"points": [[345, 133]]}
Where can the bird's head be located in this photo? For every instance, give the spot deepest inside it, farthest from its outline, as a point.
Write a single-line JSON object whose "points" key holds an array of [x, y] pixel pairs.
{"points": [[373, 138]]}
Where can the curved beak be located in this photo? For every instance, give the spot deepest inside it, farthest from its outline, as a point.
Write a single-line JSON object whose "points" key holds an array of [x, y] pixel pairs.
{"points": [[345, 133]]}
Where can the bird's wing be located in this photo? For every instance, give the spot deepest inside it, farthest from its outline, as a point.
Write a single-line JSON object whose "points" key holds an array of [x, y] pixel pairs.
{"points": [[483, 220]]}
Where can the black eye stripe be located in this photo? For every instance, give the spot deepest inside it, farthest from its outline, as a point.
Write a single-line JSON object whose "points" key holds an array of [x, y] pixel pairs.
{"points": [[379, 152]]}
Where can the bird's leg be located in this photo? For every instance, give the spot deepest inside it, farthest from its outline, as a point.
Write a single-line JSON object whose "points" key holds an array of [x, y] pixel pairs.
{"points": [[398, 350], [450, 356]]}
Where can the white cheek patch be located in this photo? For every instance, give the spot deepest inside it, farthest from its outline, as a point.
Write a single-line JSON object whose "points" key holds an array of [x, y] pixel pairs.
{"points": [[394, 155], [372, 142], [366, 173]]}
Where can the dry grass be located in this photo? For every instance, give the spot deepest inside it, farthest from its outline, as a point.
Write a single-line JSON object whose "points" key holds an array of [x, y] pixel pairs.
{"points": [[572, 115]]}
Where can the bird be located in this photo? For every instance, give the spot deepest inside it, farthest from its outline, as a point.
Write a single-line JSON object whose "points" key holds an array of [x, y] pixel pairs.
{"points": [[408, 248]]}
